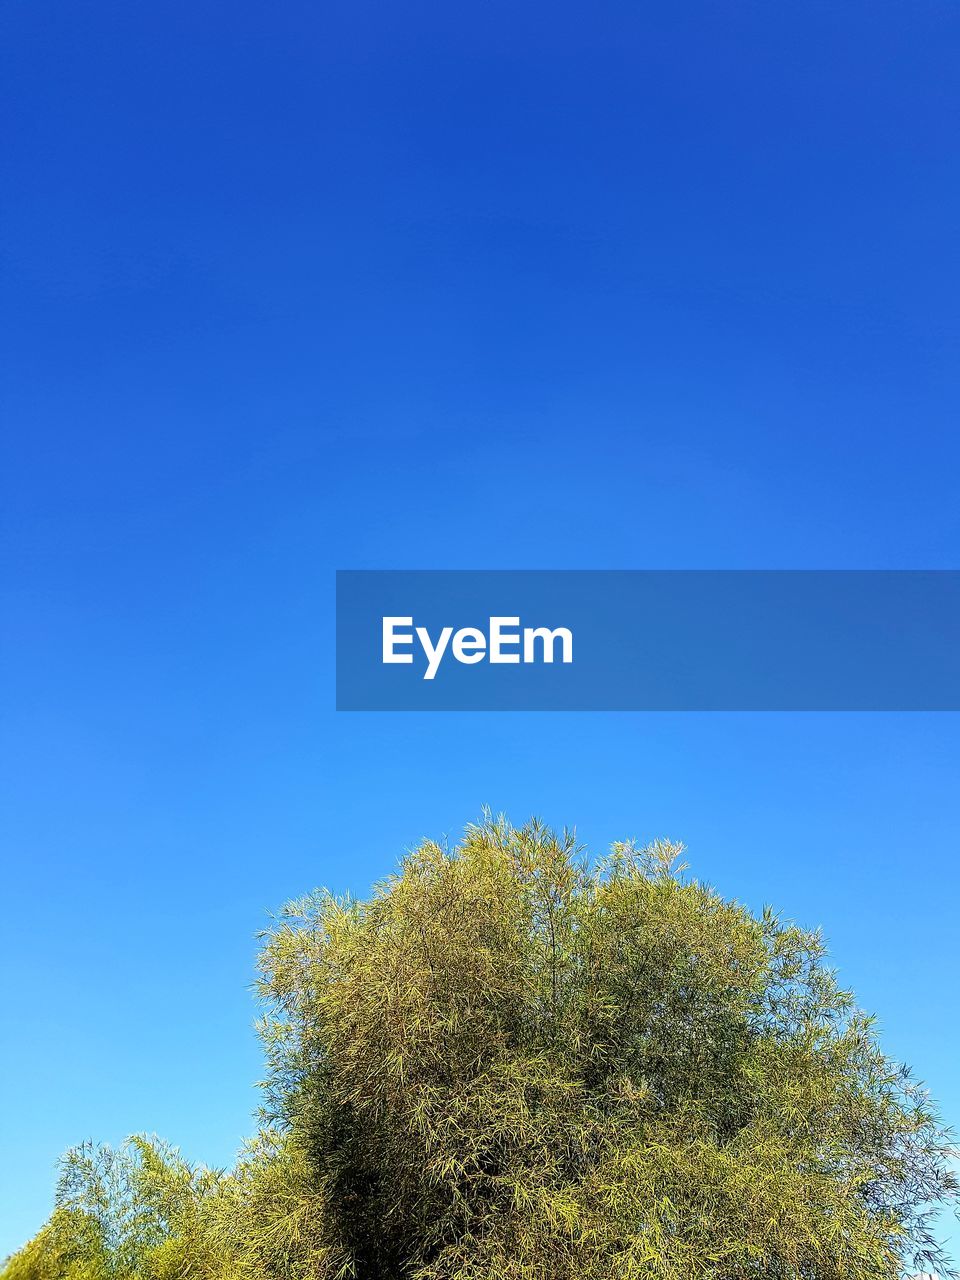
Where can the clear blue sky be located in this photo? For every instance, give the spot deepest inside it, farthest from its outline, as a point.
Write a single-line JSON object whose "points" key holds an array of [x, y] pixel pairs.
{"points": [[296, 287]]}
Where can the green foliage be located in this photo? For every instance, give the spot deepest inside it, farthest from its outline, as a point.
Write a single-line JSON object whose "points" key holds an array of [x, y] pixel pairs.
{"points": [[509, 1064], [138, 1210]]}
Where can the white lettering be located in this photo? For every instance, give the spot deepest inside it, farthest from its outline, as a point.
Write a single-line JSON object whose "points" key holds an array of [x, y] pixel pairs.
{"points": [[499, 637], [471, 645], [532, 634], [434, 652], [391, 639]]}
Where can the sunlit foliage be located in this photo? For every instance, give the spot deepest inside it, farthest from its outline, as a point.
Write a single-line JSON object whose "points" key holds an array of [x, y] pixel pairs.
{"points": [[513, 1064]]}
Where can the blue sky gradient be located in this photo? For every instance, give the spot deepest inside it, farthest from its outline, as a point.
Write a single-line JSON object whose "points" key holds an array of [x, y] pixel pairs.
{"points": [[303, 287]]}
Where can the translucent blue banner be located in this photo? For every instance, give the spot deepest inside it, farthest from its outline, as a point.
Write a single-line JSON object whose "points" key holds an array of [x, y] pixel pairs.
{"points": [[531, 640]]}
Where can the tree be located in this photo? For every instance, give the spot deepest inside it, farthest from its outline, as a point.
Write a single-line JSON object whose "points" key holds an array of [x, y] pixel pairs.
{"points": [[510, 1064], [138, 1210]]}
